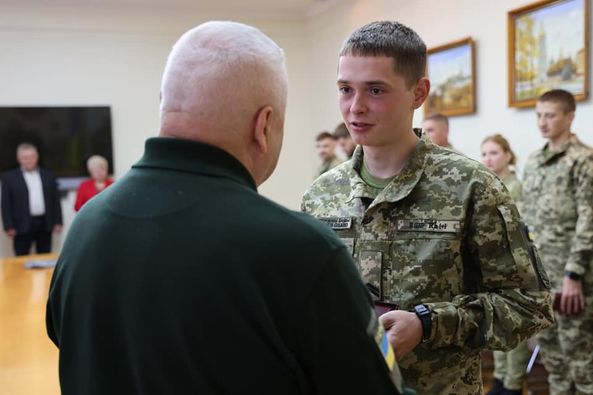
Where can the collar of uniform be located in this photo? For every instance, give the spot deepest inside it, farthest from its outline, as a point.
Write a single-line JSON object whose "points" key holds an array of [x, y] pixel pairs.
{"points": [[545, 155], [193, 157], [402, 185]]}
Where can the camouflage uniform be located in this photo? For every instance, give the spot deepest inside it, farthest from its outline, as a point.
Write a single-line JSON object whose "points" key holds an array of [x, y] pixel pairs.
{"points": [[558, 207], [444, 233], [510, 366]]}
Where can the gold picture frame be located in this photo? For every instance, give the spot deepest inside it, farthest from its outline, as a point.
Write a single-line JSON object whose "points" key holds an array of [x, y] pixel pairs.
{"points": [[548, 44], [452, 75]]}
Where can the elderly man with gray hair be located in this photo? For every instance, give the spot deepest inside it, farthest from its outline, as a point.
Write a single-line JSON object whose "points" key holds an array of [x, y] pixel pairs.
{"points": [[180, 278], [31, 206]]}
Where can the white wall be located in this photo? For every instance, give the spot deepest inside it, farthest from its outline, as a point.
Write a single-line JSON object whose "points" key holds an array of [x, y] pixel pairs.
{"points": [[439, 22], [115, 56]]}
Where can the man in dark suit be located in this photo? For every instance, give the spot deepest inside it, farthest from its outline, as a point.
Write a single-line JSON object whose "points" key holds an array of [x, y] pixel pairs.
{"points": [[31, 208], [181, 279]]}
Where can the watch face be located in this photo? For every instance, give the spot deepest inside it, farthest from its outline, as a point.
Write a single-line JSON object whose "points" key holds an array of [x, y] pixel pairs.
{"points": [[421, 309]]}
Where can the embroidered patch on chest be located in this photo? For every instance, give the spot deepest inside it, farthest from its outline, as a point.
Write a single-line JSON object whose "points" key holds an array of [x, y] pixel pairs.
{"points": [[428, 225], [337, 222]]}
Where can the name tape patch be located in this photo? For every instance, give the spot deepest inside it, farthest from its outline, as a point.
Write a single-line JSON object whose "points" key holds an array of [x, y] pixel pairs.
{"points": [[428, 225], [337, 222]]}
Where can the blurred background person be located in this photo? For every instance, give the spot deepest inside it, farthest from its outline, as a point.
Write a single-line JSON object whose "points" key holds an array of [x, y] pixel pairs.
{"points": [[436, 126], [509, 367], [31, 208], [345, 142], [325, 144], [557, 206], [98, 168], [499, 158]]}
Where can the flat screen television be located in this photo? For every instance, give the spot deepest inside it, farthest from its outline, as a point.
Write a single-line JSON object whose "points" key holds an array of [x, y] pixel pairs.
{"points": [[65, 137]]}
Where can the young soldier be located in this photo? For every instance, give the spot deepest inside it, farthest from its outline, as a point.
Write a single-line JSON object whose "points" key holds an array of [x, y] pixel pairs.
{"points": [[434, 233], [558, 207]]}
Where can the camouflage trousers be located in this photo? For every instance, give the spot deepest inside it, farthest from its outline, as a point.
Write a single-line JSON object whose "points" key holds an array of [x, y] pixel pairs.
{"points": [[510, 366], [567, 352]]}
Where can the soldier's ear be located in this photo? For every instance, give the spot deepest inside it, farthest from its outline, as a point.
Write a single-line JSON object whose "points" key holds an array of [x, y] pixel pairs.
{"points": [[263, 127], [421, 90]]}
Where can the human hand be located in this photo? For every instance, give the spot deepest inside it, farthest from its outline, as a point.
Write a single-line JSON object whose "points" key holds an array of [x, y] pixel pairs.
{"points": [[572, 301], [57, 228], [404, 331], [11, 232]]}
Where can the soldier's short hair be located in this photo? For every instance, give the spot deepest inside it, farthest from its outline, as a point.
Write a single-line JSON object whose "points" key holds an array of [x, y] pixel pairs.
{"points": [[565, 98], [341, 131], [438, 117], [324, 135], [394, 40]]}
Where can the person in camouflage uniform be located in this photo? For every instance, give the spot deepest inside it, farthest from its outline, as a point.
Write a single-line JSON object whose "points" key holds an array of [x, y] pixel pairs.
{"points": [[509, 367], [433, 232], [558, 208]]}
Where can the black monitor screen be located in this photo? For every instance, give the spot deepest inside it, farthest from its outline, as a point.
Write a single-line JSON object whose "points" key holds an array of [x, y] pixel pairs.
{"points": [[65, 137]]}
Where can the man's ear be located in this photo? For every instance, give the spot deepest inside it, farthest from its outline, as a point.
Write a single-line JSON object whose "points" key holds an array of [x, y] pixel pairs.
{"points": [[421, 91], [262, 127]]}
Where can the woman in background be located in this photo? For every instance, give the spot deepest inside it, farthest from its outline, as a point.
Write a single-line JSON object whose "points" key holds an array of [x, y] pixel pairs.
{"points": [[498, 157], [98, 169], [509, 367]]}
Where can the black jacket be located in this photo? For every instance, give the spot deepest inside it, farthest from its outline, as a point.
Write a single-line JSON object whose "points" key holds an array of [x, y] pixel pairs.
{"points": [[181, 279], [15, 201]]}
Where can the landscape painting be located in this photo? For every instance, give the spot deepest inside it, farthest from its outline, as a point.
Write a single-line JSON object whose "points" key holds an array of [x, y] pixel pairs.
{"points": [[547, 50], [452, 76]]}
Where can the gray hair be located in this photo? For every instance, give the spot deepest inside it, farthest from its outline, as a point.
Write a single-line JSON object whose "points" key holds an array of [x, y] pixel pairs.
{"points": [[26, 147], [223, 72], [97, 161]]}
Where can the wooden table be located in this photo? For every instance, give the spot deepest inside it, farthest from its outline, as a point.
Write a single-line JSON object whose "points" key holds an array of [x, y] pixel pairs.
{"points": [[28, 359]]}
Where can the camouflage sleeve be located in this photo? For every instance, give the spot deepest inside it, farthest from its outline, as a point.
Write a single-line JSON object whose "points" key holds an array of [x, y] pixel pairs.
{"points": [[581, 250], [506, 296]]}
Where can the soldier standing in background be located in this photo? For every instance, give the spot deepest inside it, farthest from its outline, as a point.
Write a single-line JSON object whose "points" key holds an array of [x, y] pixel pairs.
{"points": [[325, 144], [436, 127], [558, 208], [509, 367], [345, 142], [433, 232]]}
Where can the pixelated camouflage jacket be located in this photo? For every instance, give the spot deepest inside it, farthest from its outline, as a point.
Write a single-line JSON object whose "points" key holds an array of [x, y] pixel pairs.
{"points": [[445, 233], [558, 207]]}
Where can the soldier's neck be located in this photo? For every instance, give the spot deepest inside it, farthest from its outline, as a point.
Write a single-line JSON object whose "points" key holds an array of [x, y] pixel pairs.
{"points": [[389, 161], [556, 143]]}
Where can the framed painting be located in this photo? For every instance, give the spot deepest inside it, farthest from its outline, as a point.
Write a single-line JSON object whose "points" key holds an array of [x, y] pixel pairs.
{"points": [[451, 70], [548, 49]]}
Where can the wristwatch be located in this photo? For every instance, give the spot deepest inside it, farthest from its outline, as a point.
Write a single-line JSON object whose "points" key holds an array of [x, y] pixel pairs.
{"points": [[424, 313], [572, 275]]}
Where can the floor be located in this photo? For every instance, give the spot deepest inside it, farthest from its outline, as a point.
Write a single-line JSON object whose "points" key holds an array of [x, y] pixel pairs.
{"points": [[28, 359]]}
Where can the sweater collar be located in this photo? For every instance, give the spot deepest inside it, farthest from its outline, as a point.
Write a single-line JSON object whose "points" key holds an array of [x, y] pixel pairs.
{"points": [[193, 157]]}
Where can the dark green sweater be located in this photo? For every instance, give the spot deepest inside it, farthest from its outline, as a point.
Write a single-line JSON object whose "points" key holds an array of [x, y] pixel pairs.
{"points": [[181, 279]]}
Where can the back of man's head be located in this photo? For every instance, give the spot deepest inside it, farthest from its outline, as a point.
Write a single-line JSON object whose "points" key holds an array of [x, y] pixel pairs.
{"points": [[438, 117], [560, 96], [390, 39], [221, 73], [436, 126]]}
